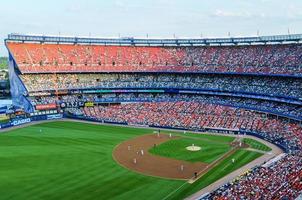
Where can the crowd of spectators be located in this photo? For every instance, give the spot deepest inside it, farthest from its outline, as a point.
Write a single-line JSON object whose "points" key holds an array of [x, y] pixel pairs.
{"points": [[259, 59], [280, 180], [278, 108], [271, 86], [196, 116]]}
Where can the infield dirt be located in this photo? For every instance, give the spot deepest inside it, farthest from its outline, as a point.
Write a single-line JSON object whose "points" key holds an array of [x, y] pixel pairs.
{"points": [[127, 152]]}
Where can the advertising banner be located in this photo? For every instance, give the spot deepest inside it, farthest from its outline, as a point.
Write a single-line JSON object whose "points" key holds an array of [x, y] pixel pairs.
{"points": [[20, 121], [89, 104], [46, 106], [54, 116]]}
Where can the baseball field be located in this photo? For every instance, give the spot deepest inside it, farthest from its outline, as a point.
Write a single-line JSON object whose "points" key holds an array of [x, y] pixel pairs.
{"points": [[74, 160]]}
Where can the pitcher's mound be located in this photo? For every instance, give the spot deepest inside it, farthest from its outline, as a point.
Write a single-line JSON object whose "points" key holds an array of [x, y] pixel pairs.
{"points": [[193, 148]]}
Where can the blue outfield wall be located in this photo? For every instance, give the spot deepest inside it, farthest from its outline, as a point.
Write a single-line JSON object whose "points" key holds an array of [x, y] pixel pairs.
{"points": [[18, 122]]}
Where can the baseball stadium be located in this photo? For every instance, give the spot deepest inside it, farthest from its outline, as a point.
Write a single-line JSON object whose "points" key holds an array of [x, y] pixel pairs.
{"points": [[131, 118]]}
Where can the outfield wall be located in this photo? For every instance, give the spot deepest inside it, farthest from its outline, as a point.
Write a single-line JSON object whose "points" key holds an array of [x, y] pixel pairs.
{"points": [[19, 122]]}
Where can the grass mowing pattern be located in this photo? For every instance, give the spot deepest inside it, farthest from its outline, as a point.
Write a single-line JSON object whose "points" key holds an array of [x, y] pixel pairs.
{"points": [[203, 136], [71, 160], [176, 149], [225, 167], [256, 145]]}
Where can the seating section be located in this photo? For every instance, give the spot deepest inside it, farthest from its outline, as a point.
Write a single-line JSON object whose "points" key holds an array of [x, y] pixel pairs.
{"points": [[281, 180], [279, 108], [259, 59], [268, 86], [196, 115]]}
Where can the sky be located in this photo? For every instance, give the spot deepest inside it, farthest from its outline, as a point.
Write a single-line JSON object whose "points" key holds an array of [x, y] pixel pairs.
{"points": [[157, 18]]}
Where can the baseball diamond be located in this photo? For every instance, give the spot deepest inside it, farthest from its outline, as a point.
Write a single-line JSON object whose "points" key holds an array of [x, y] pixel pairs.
{"points": [[151, 118], [59, 154]]}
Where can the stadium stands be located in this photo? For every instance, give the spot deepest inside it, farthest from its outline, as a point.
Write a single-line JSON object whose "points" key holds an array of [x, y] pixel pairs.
{"points": [[257, 59], [276, 108], [282, 180], [268, 86], [196, 116]]}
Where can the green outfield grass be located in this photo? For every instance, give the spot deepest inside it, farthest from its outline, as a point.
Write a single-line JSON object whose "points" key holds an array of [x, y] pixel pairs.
{"points": [[204, 136], [256, 145], [210, 149], [71, 160]]}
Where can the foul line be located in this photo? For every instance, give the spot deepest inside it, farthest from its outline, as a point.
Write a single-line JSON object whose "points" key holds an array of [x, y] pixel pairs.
{"points": [[174, 191]]}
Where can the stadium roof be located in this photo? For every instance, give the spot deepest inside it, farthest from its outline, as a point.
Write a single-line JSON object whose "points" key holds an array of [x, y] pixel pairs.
{"points": [[276, 39]]}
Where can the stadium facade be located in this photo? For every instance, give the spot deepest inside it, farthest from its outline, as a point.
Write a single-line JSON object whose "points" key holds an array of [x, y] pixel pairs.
{"points": [[185, 60]]}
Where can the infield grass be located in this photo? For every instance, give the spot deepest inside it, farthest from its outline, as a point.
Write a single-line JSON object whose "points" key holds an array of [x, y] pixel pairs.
{"points": [[256, 145], [210, 149], [73, 160]]}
